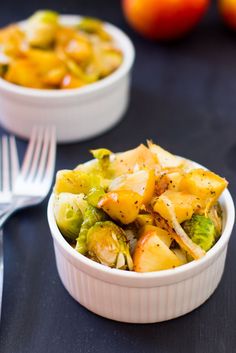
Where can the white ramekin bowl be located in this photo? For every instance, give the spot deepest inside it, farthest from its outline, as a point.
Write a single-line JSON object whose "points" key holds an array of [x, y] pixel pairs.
{"points": [[142, 297], [77, 114]]}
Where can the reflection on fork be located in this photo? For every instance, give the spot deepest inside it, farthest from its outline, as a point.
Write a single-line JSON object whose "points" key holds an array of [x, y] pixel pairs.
{"points": [[9, 170], [28, 186], [31, 185]]}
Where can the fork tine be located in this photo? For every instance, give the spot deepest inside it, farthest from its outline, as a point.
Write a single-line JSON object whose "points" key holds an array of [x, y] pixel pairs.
{"points": [[14, 160], [36, 155], [29, 153], [49, 171], [5, 165], [44, 155]]}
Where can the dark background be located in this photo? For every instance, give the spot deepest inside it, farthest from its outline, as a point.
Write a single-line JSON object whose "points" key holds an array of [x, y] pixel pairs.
{"points": [[184, 98]]}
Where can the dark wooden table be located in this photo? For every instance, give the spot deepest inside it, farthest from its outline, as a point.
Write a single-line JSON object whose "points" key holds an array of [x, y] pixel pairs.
{"points": [[184, 98]]}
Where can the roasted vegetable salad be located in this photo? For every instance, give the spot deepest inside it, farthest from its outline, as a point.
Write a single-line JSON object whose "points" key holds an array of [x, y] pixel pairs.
{"points": [[142, 210], [43, 53]]}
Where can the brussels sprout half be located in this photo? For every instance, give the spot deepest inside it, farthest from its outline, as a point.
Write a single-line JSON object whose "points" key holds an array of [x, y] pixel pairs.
{"points": [[68, 214], [40, 29], [108, 245]]}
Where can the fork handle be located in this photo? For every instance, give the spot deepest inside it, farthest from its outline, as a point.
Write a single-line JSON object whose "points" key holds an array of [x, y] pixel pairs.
{"points": [[5, 211], [1, 269], [6, 214]]}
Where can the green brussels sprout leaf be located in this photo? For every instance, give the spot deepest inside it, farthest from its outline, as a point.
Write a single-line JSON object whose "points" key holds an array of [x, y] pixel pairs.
{"points": [[93, 26], [94, 195], [91, 216], [201, 230], [45, 16]]}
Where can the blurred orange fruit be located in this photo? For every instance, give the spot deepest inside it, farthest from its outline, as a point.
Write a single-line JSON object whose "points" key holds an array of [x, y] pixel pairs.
{"points": [[228, 11], [164, 19]]}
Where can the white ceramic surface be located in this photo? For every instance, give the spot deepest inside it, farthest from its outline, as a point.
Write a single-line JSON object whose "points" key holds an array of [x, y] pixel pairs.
{"points": [[77, 113], [142, 297]]}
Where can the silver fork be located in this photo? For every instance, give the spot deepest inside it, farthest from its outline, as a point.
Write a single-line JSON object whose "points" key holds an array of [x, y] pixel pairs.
{"points": [[32, 184], [35, 178], [9, 169]]}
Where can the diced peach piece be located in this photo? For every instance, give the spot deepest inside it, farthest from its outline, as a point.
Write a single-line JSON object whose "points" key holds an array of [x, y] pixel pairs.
{"points": [[152, 254], [163, 234], [166, 180], [22, 72], [71, 81], [207, 185], [165, 159], [79, 49], [184, 205], [142, 182], [122, 205], [140, 158]]}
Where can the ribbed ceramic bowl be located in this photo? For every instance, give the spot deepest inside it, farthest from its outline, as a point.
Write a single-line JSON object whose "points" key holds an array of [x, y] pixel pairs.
{"points": [[142, 297], [78, 113]]}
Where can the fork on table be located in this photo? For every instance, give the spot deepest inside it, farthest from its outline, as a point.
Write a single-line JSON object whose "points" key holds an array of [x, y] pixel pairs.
{"points": [[28, 186]]}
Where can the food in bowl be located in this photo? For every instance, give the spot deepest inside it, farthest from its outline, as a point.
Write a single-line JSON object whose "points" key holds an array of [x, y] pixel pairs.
{"points": [[79, 113], [44, 53], [141, 210]]}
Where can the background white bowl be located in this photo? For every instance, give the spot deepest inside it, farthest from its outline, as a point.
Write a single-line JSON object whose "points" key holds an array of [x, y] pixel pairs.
{"points": [[77, 114], [142, 297]]}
